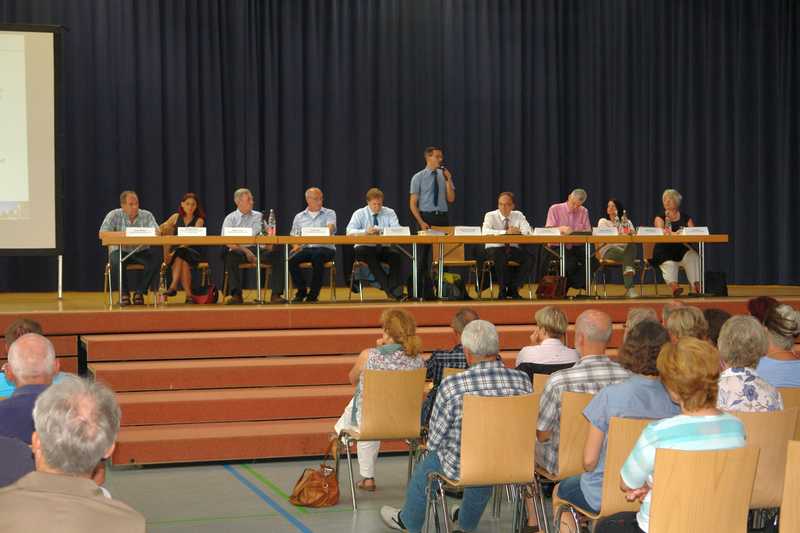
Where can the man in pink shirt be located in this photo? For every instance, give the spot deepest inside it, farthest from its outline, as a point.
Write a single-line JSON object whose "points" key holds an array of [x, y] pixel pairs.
{"points": [[569, 217]]}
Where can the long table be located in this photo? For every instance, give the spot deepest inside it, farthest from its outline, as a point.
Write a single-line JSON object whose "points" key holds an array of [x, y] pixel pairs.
{"points": [[563, 241]]}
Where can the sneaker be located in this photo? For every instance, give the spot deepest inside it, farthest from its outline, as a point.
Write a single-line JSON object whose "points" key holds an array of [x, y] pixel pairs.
{"points": [[391, 517], [454, 513], [631, 293]]}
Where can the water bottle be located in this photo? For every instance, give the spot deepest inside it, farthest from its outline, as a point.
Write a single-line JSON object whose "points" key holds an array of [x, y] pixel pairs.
{"points": [[625, 223], [667, 223], [271, 224]]}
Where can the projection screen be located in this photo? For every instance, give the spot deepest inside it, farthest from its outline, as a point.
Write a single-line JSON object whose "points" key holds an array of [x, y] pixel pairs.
{"points": [[30, 188]]}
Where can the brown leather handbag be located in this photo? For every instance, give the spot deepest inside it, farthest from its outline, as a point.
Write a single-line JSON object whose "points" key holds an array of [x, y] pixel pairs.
{"points": [[318, 487]]}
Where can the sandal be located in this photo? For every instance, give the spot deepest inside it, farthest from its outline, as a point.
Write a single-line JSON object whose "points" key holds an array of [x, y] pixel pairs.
{"points": [[125, 301], [362, 485], [138, 299], [677, 292], [171, 292]]}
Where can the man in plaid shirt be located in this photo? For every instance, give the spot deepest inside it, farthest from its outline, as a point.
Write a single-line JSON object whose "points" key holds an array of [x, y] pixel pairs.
{"points": [[486, 376], [590, 374], [441, 359]]}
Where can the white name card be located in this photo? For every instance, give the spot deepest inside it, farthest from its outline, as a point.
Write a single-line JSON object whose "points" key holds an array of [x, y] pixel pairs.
{"points": [[467, 230], [140, 232], [397, 231], [356, 232], [697, 230], [315, 232], [606, 231], [191, 231], [237, 232], [490, 231], [649, 231], [547, 232]]}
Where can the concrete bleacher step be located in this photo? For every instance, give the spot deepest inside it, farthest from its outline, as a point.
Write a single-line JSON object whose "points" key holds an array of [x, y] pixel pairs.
{"points": [[165, 346], [233, 405], [230, 441]]}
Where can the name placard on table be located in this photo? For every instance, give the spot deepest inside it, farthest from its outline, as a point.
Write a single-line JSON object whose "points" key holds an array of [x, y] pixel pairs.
{"points": [[140, 232], [397, 231], [237, 232], [605, 232], [191, 231], [697, 230], [490, 231], [649, 231], [315, 232], [546, 232], [467, 230]]}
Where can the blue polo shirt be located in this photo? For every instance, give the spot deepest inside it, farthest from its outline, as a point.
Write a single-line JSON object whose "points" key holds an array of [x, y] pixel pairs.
{"points": [[16, 413]]}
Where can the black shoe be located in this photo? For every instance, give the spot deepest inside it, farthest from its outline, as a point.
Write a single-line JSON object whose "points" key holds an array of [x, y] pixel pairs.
{"points": [[513, 295], [299, 297], [277, 299], [312, 299], [171, 292]]}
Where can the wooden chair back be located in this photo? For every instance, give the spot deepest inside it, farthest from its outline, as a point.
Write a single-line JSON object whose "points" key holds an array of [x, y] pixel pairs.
{"points": [[498, 436], [791, 398], [452, 252], [622, 436], [702, 491], [771, 433], [391, 404], [573, 431], [539, 381], [790, 506], [447, 372]]}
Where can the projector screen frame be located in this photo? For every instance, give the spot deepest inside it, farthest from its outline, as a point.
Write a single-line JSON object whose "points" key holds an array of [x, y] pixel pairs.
{"points": [[56, 31]]}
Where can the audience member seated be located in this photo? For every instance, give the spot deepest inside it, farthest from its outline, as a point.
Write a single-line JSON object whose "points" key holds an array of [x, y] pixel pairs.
{"points": [[128, 215], [31, 366], [689, 370], [781, 365], [16, 460], [590, 374], [441, 359], [715, 319], [758, 307], [76, 425], [742, 342], [668, 308], [397, 349], [637, 315], [687, 322], [547, 353], [641, 396], [486, 376], [15, 330]]}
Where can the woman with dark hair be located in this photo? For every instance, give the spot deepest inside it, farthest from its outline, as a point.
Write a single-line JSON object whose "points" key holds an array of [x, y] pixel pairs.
{"points": [[758, 306], [623, 253], [181, 259], [640, 396]]}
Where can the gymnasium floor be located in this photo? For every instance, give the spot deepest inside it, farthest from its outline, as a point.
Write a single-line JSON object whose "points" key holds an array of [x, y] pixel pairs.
{"points": [[252, 497]]}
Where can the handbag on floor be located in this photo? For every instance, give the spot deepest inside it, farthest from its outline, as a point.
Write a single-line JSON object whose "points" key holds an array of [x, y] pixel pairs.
{"points": [[210, 297], [551, 288], [318, 487]]}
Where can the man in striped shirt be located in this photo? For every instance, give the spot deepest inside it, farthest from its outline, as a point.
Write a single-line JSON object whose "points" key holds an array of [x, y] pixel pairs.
{"points": [[486, 376], [590, 374]]}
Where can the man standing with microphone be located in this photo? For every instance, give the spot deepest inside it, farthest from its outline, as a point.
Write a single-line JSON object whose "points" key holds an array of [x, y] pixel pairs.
{"points": [[432, 190]]}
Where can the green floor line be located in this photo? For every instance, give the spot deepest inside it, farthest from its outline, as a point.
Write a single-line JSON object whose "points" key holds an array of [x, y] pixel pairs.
{"points": [[272, 486], [209, 519]]}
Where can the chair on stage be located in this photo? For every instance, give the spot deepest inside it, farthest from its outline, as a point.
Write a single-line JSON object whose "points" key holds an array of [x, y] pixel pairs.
{"points": [[129, 267], [454, 257], [354, 279], [330, 266], [266, 269]]}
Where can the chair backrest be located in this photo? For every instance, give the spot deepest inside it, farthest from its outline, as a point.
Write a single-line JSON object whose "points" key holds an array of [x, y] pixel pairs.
{"points": [[771, 433], [622, 436], [539, 381], [16, 460], [452, 252], [498, 438], [447, 372], [391, 404], [790, 506], [702, 491], [791, 398], [573, 431]]}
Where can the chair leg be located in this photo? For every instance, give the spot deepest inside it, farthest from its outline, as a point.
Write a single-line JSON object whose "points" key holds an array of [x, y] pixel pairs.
{"points": [[496, 501], [333, 282], [538, 504], [430, 506], [225, 284], [350, 471], [412, 452], [445, 510]]}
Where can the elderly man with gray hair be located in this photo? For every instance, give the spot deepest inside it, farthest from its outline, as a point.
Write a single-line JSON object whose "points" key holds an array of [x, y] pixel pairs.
{"points": [[486, 376], [742, 341], [31, 367], [569, 217], [76, 425]]}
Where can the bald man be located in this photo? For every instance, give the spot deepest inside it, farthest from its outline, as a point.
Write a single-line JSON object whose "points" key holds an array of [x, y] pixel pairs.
{"points": [[31, 367], [314, 216]]}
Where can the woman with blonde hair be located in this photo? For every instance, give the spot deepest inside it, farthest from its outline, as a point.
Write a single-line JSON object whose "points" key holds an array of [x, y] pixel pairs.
{"points": [[547, 353], [397, 349]]}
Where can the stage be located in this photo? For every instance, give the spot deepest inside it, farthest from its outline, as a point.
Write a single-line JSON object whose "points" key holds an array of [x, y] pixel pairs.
{"points": [[219, 383]]}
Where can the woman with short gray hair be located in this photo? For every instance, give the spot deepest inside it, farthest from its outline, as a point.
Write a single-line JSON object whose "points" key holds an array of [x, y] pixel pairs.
{"points": [[781, 365], [669, 257], [547, 353], [742, 342]]}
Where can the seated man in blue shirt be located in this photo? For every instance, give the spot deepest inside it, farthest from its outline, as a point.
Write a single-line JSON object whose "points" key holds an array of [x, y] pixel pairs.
{"points": [[247, 217], [31, 366], [370, 220], [486, 376], [314, 216]]}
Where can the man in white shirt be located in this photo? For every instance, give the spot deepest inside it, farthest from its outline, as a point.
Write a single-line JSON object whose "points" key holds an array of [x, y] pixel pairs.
{"points": [[513, 223], [370, 220], [314, 216]]}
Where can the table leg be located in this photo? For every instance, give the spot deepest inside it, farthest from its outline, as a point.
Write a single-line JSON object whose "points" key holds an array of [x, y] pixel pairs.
{"points": [[414, 280], [562, 264], [258, 274], [588, 268], [120, 276], [441, 269], [286, 272], [702, 248]]}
